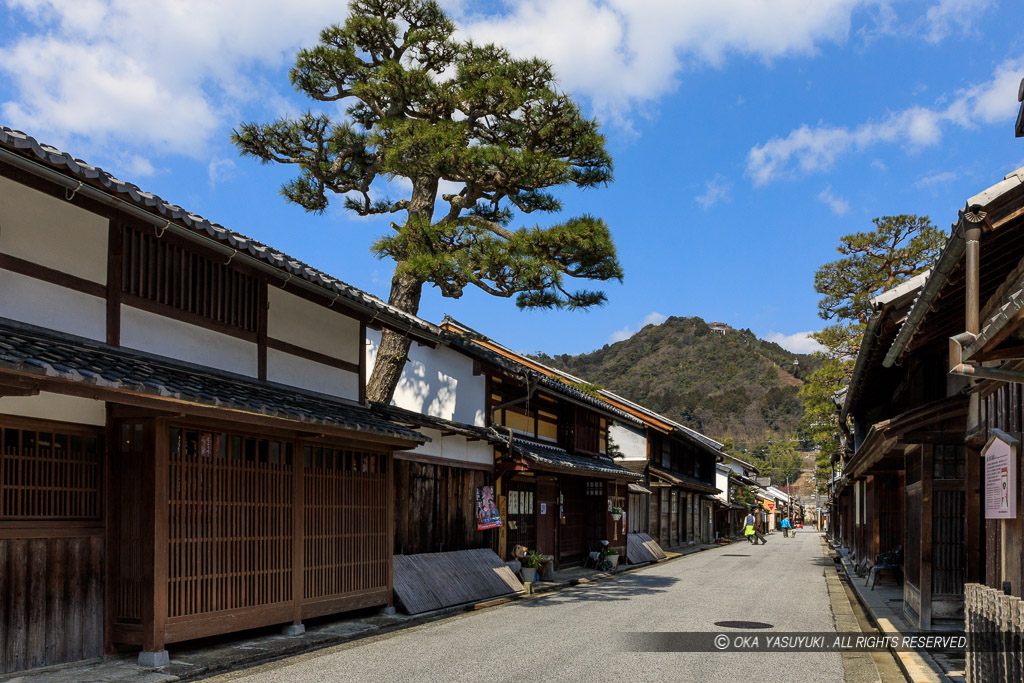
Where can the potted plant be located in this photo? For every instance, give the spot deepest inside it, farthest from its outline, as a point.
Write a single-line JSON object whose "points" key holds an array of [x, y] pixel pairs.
{"points": [[531, 563], [609, 559], [617, 513]]}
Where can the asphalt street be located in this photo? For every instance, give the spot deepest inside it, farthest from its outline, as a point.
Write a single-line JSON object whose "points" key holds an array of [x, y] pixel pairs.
{"points": [[576, 634]]}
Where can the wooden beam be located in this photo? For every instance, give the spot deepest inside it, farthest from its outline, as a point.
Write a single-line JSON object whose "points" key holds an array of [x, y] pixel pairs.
{"points": [[933, 437], [51, 275], [1003, 353], [115, 250]]}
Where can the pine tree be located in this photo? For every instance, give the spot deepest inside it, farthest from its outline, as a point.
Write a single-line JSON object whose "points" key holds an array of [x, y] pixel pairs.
{"points": [[899, 248], [426, 108]]}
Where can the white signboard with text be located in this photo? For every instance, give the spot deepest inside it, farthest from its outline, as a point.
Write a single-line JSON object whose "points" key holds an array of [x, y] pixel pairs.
{"points": [[1000, 455]]}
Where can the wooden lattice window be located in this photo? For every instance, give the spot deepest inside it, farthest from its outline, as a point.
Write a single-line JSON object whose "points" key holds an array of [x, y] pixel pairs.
{"points": [[230, 522], [346, 522], [50, 474], [165, 272]]}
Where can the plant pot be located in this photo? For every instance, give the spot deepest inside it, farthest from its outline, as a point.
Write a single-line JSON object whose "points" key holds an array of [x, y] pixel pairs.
{"points": [[613, 560], [529, 574], [616, 517]]}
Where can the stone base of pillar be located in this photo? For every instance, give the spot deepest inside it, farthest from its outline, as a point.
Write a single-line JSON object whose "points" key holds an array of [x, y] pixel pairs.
{"points": [[293, 630], [388, 611], [154, 659]]}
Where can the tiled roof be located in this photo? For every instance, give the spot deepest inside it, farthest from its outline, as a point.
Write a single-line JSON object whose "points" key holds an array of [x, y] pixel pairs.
{"points": [[27, 146], [681, 429], [683, 481], [550, 383], [30, 349], [560, 459], [409, 417]]}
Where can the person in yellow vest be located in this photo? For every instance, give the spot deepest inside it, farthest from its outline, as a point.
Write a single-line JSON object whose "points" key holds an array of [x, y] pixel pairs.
{"points": [[748, 528]]}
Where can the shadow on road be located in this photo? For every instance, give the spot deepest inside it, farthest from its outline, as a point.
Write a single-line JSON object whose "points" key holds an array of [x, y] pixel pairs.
{"points": [[621, 588]]}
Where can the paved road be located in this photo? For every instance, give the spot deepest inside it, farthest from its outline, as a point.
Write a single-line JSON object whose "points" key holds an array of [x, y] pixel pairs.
{"points": [[575, 634]]}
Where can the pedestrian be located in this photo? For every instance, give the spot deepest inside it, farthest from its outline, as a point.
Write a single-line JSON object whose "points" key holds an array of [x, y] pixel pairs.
{"points": [[748, 528], [759, 530], [786, 527]]}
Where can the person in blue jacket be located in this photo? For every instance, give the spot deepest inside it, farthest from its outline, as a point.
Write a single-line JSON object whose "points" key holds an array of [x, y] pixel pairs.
{"points": [[786, 527]]}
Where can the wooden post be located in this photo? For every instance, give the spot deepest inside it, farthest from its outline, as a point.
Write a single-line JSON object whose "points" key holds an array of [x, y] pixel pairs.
{"points": [[298, 528], [926, 537], [111, 513], [499, 494], [390, 460], [154, 606], [872, 514], [115, 240]]}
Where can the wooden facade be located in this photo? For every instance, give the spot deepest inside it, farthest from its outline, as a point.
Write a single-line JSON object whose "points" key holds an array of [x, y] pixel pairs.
{"points": [[435, 507], [185, 446]]}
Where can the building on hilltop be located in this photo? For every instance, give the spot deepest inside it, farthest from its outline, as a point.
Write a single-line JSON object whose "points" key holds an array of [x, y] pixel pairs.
{"points": [[721, 328]]}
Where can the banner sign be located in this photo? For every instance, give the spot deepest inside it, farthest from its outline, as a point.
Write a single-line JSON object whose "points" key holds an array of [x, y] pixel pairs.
{"points": [[487, 516], [1000, 455]]}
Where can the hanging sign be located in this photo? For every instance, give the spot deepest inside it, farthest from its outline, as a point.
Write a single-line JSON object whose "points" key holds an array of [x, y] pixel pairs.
{"points": [[487, 515], [1000, 455]]}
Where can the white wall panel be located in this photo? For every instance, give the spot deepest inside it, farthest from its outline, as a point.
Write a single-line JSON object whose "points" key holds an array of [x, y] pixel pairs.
{"points": [[285, 368], [47, 406], [52, 232], [318, 328], [437, 382], [165, 336], [33, 301], [632, 442]]}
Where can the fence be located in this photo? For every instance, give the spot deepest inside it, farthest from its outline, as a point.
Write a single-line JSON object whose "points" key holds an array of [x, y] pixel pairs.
{"points": [[995, 631]]}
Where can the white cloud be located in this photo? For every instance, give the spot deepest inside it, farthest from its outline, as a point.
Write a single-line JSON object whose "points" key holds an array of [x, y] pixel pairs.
{"points": [[934, 180], [652, 318], [163, 74], [949, 16], [716, 190], [798, 342], [623, 53], [838, 205], [807, 150], [220, 170]]}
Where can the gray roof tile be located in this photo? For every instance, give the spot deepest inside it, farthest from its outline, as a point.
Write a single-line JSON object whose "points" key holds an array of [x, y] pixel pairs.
{"points": [[27, 348], [28, 146]]}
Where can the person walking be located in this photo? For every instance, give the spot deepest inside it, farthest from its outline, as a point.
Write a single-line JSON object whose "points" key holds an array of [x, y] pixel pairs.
{"points": [[759, 530], [748, 528], [787, 526]]}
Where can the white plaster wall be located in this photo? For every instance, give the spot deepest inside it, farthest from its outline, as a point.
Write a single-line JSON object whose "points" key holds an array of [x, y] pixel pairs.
{"points": [[437, 382], [285, 368], [52, 232], [163, 336], [456, 448], [47, 406], [632, 442], [722, 484], [33, 301], [318, 328]]}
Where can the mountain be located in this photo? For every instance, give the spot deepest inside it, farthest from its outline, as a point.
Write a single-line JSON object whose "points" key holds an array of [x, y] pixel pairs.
{"points": [[730, 385]]}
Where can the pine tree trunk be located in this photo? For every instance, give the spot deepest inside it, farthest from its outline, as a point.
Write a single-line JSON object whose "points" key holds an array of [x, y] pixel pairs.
{"points": [[405, 295], [394, 348]]}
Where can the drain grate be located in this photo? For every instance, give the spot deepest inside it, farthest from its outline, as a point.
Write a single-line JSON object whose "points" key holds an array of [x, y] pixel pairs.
{"points": [[743, 624], [732, 555]]}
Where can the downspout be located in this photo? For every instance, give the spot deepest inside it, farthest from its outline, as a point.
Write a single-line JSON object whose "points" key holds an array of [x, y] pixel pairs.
{"points": [[972, 220]]}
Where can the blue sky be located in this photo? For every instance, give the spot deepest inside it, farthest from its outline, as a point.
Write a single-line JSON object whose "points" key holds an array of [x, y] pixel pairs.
{"points": [[747, 135]]}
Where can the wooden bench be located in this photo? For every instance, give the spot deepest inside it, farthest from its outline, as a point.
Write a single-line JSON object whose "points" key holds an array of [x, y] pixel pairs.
{"points": [[891, 560]]}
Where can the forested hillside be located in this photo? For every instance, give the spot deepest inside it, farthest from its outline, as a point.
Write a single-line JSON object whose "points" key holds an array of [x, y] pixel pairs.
{"points": [[734, 385]]}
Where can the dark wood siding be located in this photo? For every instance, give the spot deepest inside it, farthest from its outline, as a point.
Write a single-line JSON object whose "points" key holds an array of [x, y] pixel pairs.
{"points": [[435, 508], [51, 544]]}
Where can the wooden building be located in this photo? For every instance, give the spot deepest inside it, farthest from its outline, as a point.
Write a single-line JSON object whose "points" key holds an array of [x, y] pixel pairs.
{"points": [[442, 395], [556, 482], [185, 446], [934, 378]]}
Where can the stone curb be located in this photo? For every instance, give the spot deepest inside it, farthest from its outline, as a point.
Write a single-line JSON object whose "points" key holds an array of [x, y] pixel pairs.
{"points": [[917, 667]]}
